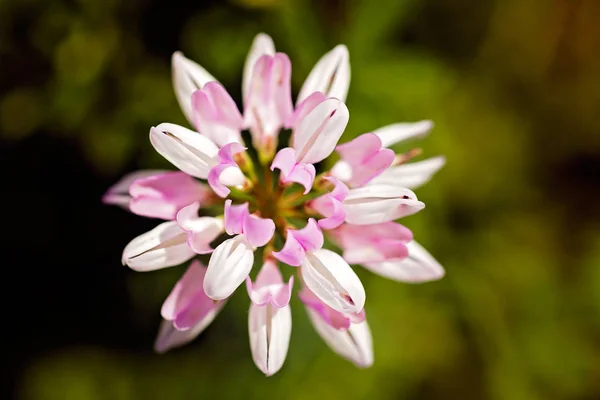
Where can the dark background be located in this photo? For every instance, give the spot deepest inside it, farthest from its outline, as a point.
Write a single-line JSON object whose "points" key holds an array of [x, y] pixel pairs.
{"points": [[514, 89]]}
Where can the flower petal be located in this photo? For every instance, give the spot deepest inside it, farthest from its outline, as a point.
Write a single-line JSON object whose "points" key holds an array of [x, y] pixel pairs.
{"points": [[412, 175], [269, 287], [163, 195], [187, 78], [269, 329], [189, 151], [354, 344], [163, 246], [262, 44], [170, 337], [396, 133], [333, 281], [316, 135], [118, 194], [331, 75], [258, 231], [374, 204], [228, 267], [366, 158], [216, 114], [418, 267]]}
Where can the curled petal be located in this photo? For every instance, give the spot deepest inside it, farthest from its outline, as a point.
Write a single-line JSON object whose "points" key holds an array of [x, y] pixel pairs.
{"points": [[162, 196], [269, 287], [187, 78], [201, 231], [333, 281], [330, 205], [234, 217], [189, 151], [374, 204], [331, 75], [258, 231], [269, 329], [226, 172], [304, 107], [118, 194], [317, 134], [354, 344], [163, 246], [418, 267], [291, 171], [298, 242], [400, 132], [228, 267], [412, 175], [365, 157]]}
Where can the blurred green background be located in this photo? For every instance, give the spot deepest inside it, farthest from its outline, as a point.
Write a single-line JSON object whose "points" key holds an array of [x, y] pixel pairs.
{"points": [[513, 87]]}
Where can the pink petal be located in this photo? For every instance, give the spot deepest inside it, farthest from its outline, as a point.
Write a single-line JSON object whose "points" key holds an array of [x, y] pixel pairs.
{"points": [[262, 44], [284, 160], [310, 237], [226, 160], [366, 158], [118, 194], [269, 287], [234, 217], [330, 205], [292, 252], [162, 196], [258, 231], [184, 290]]}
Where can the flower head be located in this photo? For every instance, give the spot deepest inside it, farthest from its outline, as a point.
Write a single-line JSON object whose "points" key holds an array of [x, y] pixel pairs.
{"points": [[229, 202]]}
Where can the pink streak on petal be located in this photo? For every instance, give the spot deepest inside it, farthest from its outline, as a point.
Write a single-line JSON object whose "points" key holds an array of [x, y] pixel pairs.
{"points": [[282, 73], [373, 243], [234, 217], [258, 231]]}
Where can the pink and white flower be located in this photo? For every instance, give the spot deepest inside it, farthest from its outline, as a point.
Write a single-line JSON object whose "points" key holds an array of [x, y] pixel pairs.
{"points": [[228, 202]]}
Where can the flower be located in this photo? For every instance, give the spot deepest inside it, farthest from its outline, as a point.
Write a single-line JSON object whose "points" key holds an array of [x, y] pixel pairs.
{"points": [[238, 207]]}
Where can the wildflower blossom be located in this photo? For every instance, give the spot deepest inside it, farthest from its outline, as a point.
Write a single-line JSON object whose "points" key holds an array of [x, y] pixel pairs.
{"points": [[274, 205]]}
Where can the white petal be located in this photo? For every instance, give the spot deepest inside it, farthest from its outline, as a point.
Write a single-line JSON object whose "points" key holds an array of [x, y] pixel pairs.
{"points": [[342, 170], [269, 329], [163, 246], [396, 133], [262, 44], [169, 337], [332, 280], [374, 204], [228, 267], [317, 134], [188, 77], [411, 175], [232, 176], [355, 344], [418, 267], [330, 75], [188, 150]]}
